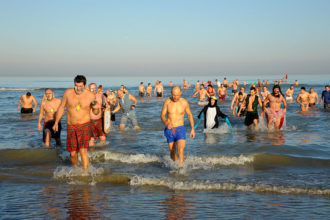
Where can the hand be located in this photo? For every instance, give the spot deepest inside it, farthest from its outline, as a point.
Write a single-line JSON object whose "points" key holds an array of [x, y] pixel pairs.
{"points": [[231, 107], [55, 127], [132, 106], [284, 110], [39, 127], [169, 125], [238, 114], [34, 110], [198, 116], [192, 133], [18, 108], [261, 116]]}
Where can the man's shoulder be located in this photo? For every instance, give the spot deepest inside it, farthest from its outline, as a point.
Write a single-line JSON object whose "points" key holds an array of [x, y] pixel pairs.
{"points": [[68, 91]]}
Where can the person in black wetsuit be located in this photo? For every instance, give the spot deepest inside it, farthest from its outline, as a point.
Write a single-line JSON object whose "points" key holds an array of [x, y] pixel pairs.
{"points": [[211, 114], [251, 102]]}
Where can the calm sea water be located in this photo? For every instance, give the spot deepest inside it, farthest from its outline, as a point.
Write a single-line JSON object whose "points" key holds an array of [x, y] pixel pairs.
{"points": [[227, 175]]}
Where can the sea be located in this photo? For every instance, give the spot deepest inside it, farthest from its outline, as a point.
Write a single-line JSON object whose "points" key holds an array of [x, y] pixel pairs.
{"points": [[227, 174]]}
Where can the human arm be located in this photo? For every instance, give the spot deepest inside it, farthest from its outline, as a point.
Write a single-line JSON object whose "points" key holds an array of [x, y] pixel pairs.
{"points": [[191, 120], [298, 99], [194, 95], [35, 104], [317, 98], [220, 114], [41, 115], [203, 110], [19, 103], [167, 123], [262, 107], [322, 95], [233, 101], [240, 109], [132, 98], [60, 111]]}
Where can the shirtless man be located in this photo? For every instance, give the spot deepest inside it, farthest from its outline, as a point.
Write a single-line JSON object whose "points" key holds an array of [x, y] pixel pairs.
{"points": [[142, 90], [202, 93], [251, 102], [303, 99], [289, 93], [312, 96], [234, 89], [49, 106], [242, 90], [126, 103], [175, 132], [197, 85], [274, 114], [225, 82], [185, 84], [78, 102], [28, 101], [149, 90], [296, 82], [264, 93], [170, 83], [222, 92], [159, 89], [96, 120]]}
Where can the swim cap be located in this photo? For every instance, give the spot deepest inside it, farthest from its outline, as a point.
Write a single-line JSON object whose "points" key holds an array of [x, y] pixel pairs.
{"points": [[213, 97]]}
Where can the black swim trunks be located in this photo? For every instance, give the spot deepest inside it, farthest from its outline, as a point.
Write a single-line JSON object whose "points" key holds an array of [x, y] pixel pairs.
{"points": [[159, 94], [49, 125], [225, 85], [26, 110], [250, 116], [234, 91], [141, 94]]}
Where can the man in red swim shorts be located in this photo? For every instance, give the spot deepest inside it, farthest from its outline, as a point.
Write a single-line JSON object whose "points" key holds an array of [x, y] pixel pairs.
{"points": [[274, 114], [78, 101]]}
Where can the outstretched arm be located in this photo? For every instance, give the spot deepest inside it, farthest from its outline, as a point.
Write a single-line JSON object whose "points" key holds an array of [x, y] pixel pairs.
{"points": [[240, 109], [233, 101]]}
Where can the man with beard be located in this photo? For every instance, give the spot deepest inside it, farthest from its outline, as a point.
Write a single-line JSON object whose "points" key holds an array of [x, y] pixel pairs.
{"points": [[175, 132], [325, 97], [78, 102], [49, 106], [97, 120], [274, 114]]}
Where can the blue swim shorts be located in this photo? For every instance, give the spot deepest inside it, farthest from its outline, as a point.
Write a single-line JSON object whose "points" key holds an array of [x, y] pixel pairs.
{"points": [[175, 134]]}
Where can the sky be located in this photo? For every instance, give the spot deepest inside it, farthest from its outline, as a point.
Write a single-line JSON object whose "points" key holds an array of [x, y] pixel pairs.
{"points": [[158, 38]]}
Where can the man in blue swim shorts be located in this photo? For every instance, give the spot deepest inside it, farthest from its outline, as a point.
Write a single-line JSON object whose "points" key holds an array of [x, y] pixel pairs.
{"points": [[175, 132]]}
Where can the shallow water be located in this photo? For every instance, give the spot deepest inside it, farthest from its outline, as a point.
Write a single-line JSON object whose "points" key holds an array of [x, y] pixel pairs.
{"points": [[239, 174]]}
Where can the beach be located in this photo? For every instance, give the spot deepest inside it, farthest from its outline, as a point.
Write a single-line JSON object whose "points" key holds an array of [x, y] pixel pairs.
{"points": [[226, 175]]}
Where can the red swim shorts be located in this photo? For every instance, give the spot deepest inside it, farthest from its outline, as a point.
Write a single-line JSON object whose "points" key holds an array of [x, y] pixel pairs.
{"points": [[78, 136]]}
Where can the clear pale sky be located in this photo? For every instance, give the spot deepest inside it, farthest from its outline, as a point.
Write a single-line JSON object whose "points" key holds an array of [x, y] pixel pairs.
{"points": [[178, 37]]}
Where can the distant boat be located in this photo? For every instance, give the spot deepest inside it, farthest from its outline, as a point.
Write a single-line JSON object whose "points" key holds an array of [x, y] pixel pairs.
{"points": [[283, 80]]}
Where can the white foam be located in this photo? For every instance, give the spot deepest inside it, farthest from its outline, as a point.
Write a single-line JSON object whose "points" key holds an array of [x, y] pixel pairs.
{"points": [[209, 186], [73, 175], [194, 162], [123, 158], [223, 129]]}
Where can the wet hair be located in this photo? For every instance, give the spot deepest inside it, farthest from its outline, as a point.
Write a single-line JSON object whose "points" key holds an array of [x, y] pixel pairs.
{"points": [[243, 87], [45, 90], [209, 85], [141, 82], [28, 94], [240, 93], [277, 87], [303, 88], [149, 84], [80, 79], [253, 88], [327, 86]]}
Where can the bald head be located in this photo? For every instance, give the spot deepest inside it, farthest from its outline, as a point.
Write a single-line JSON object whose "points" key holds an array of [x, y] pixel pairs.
{"points": [[176, 93]]}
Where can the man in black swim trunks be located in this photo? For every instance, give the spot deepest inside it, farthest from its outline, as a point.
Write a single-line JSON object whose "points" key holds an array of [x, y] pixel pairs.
{"points": [[28, 101], [49, 106], [159, 89], [251, 102], [142, 90]]}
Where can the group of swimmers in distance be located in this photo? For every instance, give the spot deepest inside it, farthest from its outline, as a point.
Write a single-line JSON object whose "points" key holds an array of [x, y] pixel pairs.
{"points": [[85, 106]]}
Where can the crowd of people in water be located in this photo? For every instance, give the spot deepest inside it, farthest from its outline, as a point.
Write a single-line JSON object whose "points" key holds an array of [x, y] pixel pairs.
{"points": [[85, 106]]}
